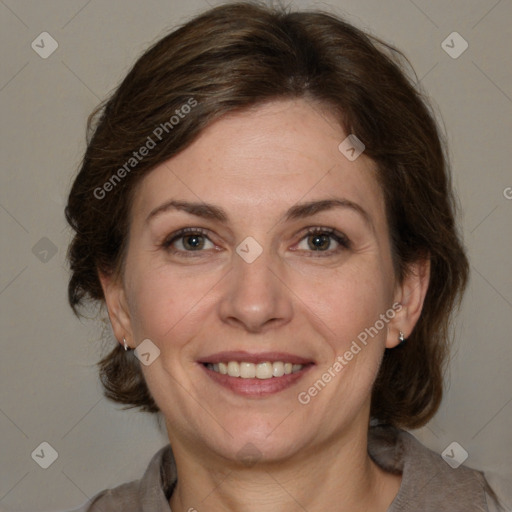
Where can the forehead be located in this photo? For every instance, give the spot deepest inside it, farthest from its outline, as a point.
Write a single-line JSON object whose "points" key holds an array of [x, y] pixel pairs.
{"points": [[264, 159]]}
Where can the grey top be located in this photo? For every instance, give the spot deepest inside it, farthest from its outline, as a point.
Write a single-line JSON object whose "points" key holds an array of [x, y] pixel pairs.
{"points": [[428, 484]]}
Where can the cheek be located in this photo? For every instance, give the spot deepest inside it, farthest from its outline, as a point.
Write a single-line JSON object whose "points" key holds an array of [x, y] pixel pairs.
{"points": [[170, 306], [163, 303], [349, 309], [348, 302]]}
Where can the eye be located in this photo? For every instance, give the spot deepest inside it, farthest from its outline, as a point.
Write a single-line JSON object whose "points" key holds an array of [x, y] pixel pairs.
{"points": [[323, 240], [188, 240], [317, 240]]}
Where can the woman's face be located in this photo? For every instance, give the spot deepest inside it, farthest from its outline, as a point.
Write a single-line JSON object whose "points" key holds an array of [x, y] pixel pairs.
{"points": [[286, 259]]}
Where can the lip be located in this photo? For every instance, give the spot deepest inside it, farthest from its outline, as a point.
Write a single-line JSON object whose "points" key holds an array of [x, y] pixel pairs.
{"points": [[255, 358], [255, 388]]}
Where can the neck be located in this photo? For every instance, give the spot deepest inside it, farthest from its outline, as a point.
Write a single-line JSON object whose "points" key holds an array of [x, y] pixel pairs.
{"points": [[337, 476]]}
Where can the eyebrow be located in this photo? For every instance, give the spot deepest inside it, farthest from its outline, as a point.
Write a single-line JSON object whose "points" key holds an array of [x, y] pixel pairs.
{"points": [[298, 211]]}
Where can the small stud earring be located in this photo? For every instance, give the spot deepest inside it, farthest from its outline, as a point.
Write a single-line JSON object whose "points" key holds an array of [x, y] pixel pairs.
{"points": [[125, 344], [401, 337]]}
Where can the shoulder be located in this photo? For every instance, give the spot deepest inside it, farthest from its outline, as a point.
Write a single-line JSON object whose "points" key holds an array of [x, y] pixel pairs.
{"points": [[149, 493], [428, 482], [124, 497]]}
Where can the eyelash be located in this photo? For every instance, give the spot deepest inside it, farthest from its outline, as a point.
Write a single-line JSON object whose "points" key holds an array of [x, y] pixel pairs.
{"points": [[342, 240]]}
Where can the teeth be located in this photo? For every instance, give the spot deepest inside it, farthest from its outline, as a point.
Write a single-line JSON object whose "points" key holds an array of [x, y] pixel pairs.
{"points": [[264, 370], [233, 369], [278, 369], [246, 370]]}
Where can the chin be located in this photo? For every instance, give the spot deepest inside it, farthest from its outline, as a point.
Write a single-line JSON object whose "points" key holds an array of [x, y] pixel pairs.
{"points": [[260, 440]]}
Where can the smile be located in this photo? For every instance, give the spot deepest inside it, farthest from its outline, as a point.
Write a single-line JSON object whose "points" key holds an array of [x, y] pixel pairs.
{"points": [[247, 370], [255, 375]]}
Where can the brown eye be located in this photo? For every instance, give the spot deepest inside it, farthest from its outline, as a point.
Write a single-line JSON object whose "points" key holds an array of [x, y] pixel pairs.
{"points": [[323, 240], [319, 242], [193, 242], [187, 240]]}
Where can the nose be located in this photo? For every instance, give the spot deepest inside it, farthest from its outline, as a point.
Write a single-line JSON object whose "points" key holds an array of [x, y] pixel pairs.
{"points": [[256, 297]]}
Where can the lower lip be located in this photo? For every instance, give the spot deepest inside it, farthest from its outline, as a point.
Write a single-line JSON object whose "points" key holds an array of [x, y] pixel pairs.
{"points": [[256, 387]]}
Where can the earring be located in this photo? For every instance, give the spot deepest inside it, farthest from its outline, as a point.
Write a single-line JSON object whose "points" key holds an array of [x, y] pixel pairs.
{"points": [[401, 338], [125, 344]]}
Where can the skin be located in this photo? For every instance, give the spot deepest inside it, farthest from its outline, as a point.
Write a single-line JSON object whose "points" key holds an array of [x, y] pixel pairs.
{"points": [[255, 165]]}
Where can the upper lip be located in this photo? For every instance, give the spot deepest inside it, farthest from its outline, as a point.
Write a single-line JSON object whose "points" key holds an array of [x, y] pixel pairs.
{"points": [[251, 357]]}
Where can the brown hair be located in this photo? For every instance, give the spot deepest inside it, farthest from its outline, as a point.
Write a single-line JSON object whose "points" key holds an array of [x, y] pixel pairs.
{"points": [[240, 55]]}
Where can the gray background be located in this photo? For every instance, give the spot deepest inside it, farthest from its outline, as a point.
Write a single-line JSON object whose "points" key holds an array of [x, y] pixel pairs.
{"points": [[49, 388]]}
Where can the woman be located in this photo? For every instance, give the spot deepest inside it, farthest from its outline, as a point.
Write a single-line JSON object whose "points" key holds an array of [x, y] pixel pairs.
{"points": [[265, 209]]}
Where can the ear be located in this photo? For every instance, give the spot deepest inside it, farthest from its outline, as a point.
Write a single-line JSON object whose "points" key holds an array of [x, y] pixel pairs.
{"points": [[117, 306], [410, 295]]}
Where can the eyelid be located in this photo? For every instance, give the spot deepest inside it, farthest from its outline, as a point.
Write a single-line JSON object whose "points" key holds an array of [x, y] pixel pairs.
{"points": [[341, 239], [180, 233]]}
